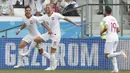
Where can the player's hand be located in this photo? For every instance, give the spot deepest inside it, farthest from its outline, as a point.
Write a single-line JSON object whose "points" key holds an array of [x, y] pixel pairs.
{"points": [[101, 33], [49, 32], [78, 25], [17, 32]]}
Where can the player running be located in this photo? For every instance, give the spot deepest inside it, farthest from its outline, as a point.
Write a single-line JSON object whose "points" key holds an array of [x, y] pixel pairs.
{"points": [[53, 21], [111, 28], [31, 24]]}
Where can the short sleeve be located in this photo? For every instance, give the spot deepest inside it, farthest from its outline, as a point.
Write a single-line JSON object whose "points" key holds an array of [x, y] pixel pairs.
{"points": [[105, 21], [60, 16], [39, 20], [24, 19], [27, 22]]}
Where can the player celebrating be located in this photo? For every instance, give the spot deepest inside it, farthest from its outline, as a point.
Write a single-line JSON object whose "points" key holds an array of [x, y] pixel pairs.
{"points": [[31, 24], [53, 21], [111, 28]]}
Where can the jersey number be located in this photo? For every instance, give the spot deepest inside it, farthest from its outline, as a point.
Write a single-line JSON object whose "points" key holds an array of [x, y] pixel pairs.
{"points": [[113, 27]]}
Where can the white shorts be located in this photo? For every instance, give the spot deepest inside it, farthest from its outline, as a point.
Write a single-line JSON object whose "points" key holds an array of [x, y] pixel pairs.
{"points": [[55, 39], [28, 38], [110, 47]]}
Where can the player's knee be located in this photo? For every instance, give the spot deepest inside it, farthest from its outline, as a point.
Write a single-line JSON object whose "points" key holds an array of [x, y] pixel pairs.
{"points": [[53, 50], [106, 55], [40, 51], [38, 40]]}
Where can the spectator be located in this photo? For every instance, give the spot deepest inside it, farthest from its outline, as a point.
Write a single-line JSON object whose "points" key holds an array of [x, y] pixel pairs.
{"points": [[61, 4], [101, 6], [71, 6], [36, 7], [26, 3], [74, 3], [6, 8]]}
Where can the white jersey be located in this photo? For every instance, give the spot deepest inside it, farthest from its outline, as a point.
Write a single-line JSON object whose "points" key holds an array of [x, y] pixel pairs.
{"points": [[111, 34], [31, 24], [53, 23]]}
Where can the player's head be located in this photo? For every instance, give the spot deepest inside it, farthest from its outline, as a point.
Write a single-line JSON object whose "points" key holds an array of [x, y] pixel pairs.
{"points": [[49, 8], [108, 10], [27, 11]]}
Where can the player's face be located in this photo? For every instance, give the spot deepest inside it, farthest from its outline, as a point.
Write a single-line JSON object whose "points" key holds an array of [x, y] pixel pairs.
{"points": [[28, 11], [48, 9]]}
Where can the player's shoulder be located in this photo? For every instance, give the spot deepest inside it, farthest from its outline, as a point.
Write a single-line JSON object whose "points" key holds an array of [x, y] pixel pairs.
{"points": [[24, 18], [55, 13], [104, 19]]}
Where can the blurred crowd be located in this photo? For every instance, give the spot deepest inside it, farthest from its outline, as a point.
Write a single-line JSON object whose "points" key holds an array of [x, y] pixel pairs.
{"points": [[38, 6], [60, 6]]}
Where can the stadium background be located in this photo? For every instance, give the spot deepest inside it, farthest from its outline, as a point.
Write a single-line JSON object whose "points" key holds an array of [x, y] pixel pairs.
{"points": [[81, 49]]}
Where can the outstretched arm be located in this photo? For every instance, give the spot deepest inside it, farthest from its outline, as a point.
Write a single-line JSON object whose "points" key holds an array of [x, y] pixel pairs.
{"points": [[71, 21], [22, 27]]}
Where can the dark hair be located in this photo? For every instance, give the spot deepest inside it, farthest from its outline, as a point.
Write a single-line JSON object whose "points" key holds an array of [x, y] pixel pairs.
{"points": [[27, 7], [108, 10]]}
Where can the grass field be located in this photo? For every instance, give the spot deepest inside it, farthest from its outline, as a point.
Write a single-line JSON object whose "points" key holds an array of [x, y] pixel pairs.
{"points": [[57, 71]]}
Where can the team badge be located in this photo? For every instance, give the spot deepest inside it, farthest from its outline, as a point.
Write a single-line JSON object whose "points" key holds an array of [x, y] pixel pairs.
{"points": [[31, 22], [53, 18]]}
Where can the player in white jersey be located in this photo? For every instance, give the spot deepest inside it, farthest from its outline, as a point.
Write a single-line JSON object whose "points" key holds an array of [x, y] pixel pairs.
{"points": [[31, 23], [53, 21], [111, 28]]}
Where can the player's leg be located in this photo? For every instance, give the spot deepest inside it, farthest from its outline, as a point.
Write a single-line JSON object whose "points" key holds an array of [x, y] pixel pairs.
{"points": [[20, 57], [53, 61], [114, 54], [114, 63], [109, 50], [42, 51], [40, 45], [32, 46], [29, 39], [114, 60]]}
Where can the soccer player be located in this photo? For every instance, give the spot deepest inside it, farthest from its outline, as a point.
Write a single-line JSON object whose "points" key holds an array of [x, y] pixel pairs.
{"points": [[111, 28], [31, 24], [53, 21]]}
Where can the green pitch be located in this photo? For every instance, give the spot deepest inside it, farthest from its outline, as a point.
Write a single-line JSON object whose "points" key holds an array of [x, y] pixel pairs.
{"points": [[57, 71]]}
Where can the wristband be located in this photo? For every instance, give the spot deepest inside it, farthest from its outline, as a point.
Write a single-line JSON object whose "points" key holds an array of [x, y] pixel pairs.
{"points": [[19, 30]]}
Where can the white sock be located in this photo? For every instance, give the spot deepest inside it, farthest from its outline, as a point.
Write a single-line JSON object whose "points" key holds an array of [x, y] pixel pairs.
{"points": [[52, 57], [32, 45], [114, 62], [52, 60], [114, 54], [45, 54], [20, 57]]}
